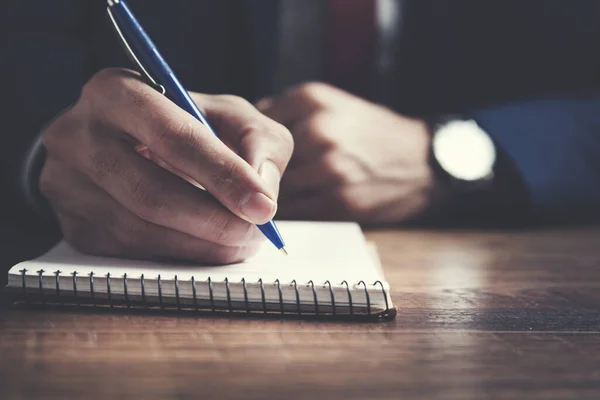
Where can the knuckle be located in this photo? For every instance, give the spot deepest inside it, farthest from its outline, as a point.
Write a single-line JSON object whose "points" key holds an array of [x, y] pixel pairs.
{"points": [[271, 132], [319, 125], [221, 231], [107, 75], [113, 76], [59, 134], [51, 140], [256, 128], [123, 229], [225, 176], [330, 163], [333, 165], [138, 99], [47, 185], [56, 184], [50, 191], [233, 100], [176, 138], [186, 136], [310, 90], [53, 137], [286, 138], [101, 82], [231, 231], [150, 201], [114, 84], [103, 164], [319, 131], [349, 202]]}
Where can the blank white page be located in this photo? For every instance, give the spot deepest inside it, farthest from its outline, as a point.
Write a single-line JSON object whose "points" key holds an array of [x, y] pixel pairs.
{"points": [[318, 251]]}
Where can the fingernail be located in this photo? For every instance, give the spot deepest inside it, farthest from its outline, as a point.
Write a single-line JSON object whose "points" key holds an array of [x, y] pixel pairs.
{"points": [[258, 208], [270, 174]]}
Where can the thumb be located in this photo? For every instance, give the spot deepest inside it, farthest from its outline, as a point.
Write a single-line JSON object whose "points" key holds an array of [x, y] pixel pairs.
{"points": [[263, 143]]}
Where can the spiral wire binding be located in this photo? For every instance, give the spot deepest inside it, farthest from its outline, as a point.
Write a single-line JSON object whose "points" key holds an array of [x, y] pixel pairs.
{"points": [[160, 299], [194, 293], [228, 295], [262, 295], [24, 286], [314, 297], [75, 294], [332, 297], [92, 287], [108, 289], [350, 304], [367, 296], [298, 309], [210, 294], [40, 273], [143, 290], [177, 293], [281, 308], [387, 307], [126, 290], [56, 274], [247, 306]]}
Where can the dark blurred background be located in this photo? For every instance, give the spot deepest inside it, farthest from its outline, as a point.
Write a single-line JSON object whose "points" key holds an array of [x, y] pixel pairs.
{"points": [[449, 56]]}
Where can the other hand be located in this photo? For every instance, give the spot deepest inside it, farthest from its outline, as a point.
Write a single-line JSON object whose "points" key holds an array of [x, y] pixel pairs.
{"points": [[111, 200], [353, 160]]}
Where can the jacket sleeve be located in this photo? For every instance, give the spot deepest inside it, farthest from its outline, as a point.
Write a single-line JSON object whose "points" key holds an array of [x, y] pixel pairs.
{"points": [[555, 145], [44, 57]]}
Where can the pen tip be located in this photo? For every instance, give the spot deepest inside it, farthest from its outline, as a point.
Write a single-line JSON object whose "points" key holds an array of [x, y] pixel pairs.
{"points": [[284, 251]]}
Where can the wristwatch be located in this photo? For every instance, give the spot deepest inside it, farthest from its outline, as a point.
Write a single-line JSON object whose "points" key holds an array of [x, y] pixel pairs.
{"points": [[462, 153], [481, 184]]}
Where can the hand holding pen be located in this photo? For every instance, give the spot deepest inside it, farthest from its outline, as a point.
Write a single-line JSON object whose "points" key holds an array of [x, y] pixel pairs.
{"points": [[109, 200]]}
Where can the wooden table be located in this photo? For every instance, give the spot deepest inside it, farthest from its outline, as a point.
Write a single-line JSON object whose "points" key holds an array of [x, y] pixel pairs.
{"points": [[481, 315]]}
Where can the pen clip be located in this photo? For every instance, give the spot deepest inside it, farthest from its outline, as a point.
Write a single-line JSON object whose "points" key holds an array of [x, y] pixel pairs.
{"points": [[149, 79]]}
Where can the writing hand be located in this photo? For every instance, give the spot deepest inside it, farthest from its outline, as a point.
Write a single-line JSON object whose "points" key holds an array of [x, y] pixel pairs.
{"points": [[110, 200]]}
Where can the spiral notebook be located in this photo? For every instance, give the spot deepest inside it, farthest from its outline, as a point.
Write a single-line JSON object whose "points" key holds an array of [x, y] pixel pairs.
{"points": [[330, 271]]}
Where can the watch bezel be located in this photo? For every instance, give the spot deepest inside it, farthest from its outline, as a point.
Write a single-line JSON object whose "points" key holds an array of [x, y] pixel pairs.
{"points": [[436, 126]]}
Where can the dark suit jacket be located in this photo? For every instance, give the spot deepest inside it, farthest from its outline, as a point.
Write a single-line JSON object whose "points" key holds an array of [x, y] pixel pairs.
{"points": [[527, 70]]}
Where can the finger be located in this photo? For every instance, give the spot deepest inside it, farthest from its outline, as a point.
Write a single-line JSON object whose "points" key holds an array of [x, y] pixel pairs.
{"points": [[155, 194], [326, 170], [265, 144], [180, 140], [295, 103], [144, 151], [95, 223], [314, 135], [153, 243]]}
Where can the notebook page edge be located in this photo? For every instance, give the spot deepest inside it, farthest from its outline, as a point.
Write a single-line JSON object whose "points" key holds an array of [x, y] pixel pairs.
{"points": [[59, 252]]}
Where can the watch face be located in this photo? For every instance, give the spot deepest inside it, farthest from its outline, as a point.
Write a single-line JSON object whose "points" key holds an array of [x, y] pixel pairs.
{"points": [[464, 150]]}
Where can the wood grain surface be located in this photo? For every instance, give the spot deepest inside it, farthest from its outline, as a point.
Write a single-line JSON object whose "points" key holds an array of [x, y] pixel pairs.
{"points": [[496, 315]]}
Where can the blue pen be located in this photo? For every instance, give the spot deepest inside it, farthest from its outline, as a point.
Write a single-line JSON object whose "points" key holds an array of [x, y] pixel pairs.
{"points": [[158, 73]]}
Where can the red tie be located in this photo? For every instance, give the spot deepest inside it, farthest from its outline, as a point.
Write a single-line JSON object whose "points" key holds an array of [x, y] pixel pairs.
{"points": [[350, 45]]}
